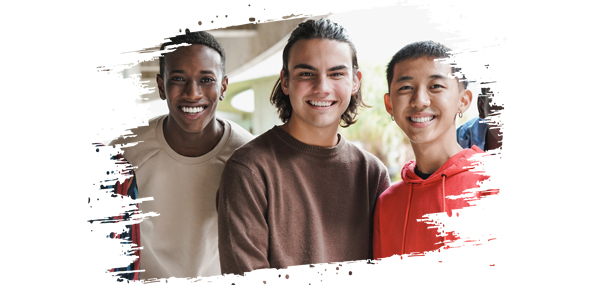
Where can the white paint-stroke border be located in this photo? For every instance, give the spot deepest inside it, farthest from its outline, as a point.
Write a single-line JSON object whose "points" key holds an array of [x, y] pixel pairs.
{"points": [[123, 112]]}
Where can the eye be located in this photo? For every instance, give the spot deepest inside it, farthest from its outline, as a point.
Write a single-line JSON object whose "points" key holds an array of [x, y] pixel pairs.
{"points": [[305, 73], [337, 74], [177, 79], [404, 88], [436, 86], [207, 80]]}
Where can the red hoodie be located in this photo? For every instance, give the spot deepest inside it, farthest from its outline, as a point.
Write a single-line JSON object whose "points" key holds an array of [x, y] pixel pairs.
{"points": [[396, 229]]}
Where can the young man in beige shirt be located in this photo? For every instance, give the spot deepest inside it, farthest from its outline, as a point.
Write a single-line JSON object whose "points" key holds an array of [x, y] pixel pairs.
{"points": [[180, 158]]}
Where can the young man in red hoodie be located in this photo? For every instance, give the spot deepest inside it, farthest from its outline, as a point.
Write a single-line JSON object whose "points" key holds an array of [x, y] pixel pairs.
{"points": [[425, 96]]}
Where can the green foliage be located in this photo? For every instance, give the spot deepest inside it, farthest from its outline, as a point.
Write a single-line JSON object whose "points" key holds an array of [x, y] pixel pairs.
{"points": [[375, 129]]}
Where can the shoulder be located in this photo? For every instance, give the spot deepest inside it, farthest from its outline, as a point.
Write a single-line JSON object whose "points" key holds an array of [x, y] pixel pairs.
{"points": [[141, 133], [239, 136], [473, 156], [393, 193], [258, 149], [364, 162], [476, 161], [141, 143], [360, 155], [469, 124]]}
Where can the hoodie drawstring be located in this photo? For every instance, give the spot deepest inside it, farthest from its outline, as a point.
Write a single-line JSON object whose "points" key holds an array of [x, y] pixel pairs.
{"points": [[444, 191], [444, 200], [406, 217]]}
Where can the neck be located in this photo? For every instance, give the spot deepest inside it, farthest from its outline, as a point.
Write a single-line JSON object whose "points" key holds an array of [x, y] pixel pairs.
{"points": [[192, 144], [431, 156], [310, 135]]}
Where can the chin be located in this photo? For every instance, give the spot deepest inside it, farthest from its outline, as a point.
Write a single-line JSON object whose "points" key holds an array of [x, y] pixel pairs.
{"points": [[326, 125], [196, 129]]}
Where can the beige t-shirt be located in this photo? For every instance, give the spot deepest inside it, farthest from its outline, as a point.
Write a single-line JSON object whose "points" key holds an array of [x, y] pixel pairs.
{"points": [[182, 240]]}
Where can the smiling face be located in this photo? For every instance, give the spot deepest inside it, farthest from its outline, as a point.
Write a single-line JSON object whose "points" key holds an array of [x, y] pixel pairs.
{"points": [[424, 99], [320, 82], [193, 85]]}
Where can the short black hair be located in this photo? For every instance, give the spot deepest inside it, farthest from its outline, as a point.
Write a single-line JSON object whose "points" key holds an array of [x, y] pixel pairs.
{"points": [[321, 29], [200, 37], [416, 50]]}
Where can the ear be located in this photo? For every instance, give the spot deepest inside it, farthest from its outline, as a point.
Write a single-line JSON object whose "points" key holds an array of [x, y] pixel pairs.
{"points": [[284, 82], [465, 100], [356, 81], [388, 103], [224, 84], [161, 86]]}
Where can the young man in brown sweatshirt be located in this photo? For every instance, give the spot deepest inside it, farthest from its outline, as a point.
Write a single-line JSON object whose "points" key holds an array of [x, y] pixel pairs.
{"points": [[300, 193]]}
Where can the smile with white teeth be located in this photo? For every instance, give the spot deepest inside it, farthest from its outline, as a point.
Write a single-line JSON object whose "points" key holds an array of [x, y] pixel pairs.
{"points": [[421, 119], [192, 110], [321, 103]]}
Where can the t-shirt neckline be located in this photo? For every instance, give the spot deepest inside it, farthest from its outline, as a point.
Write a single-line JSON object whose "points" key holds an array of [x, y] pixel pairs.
{"points": [[187, 159]]}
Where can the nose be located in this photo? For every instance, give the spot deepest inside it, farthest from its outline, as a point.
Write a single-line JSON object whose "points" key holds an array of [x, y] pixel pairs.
{"points": [[322, 86], [420, 98], [193, 90]]}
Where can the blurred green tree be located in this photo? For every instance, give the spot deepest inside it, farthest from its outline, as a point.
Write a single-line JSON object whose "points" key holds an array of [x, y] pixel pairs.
{"points": [[375, 131]]}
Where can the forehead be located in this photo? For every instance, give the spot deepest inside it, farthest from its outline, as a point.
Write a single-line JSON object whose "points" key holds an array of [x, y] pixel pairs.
{"points": [[422, 67], [196, 54], [320, 51]]}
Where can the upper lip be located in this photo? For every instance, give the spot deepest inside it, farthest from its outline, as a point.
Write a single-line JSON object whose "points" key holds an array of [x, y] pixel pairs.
{"points": [[421, 114], [321, 100], [193, 105]]}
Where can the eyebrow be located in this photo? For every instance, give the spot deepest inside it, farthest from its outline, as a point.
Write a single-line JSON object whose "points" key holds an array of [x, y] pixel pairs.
{"points": [[435, 76], [201, 72], [306, 66], [338, 67]]}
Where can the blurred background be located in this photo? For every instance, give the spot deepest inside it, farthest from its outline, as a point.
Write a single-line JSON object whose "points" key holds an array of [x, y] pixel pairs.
{"points": [[254, 60]]}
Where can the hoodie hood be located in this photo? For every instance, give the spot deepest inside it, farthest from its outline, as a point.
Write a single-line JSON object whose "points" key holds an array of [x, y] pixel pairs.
{"points": [[456, 164]]}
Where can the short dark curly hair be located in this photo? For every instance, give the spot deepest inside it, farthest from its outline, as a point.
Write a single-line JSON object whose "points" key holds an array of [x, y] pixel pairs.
{"points": [[416, 50], [321, 29], [200, 37]]}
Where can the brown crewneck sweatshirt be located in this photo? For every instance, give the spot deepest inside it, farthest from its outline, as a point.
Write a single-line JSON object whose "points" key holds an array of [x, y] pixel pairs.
{"points": [[282, 202]]}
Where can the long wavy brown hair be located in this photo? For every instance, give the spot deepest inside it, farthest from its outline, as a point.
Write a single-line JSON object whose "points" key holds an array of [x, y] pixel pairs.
{"points": [[321, 29]]}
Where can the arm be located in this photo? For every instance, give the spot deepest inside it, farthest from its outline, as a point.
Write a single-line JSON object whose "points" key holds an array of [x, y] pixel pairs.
{"points": [[132, 235], [376, 236], [383, 184], [243, 228]]}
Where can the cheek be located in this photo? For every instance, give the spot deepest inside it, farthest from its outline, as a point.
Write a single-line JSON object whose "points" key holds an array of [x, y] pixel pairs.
{"points": [[299, 85], [446, 102], [212, 90], [399, 103], [172, 90], [295, 100], [344, 88]]}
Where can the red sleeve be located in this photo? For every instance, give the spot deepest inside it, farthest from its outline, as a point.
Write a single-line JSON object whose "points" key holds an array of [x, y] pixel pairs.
{"points": [[376, 235]]}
